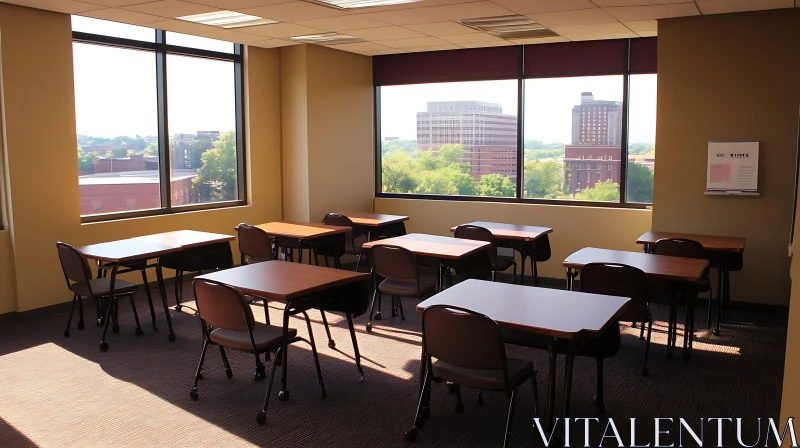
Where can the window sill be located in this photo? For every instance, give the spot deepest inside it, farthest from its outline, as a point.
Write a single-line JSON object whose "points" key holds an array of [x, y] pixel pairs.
{"points": [[556, 202], [102, 218]]}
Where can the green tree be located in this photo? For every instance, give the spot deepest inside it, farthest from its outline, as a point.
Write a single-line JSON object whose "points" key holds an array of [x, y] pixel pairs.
{"points": [[641, 148], [397, 173], [119, 151], [544, 180], [390, 146], [496, 185], [86, 160], [151, 149], [196, 150], [640, 183], [606, 191], [219, 169]]}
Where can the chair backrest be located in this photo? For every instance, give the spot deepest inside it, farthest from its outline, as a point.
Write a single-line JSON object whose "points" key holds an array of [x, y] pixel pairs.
{"points": [[463, 338], [254, 242], [542, 252], [334, 246], [73, 263], [336, 219], [679, 247], [394, 262], [222, 306], [470, 232], [615, 280]]}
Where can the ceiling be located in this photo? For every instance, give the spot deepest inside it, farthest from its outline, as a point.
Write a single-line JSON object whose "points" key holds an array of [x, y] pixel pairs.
{"points": [[426, 25]]}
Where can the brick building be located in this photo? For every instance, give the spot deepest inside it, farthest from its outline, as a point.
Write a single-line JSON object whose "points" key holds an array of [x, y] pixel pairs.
{"points": [[133, 190], [587, 165], [135, 162], [494, 160], [596, 122]]}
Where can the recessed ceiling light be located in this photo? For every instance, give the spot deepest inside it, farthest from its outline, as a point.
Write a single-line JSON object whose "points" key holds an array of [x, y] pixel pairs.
{"points": [[227, 19], [509, 27], [328, 39], [352, 4]]}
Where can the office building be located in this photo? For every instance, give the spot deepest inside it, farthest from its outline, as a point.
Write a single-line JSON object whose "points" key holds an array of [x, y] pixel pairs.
{"points": [[596, 122]]}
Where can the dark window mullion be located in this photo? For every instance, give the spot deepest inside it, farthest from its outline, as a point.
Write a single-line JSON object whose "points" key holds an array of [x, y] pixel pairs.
{"points": [[241, 172], [623, 150], [520, 124], [163, 126]]}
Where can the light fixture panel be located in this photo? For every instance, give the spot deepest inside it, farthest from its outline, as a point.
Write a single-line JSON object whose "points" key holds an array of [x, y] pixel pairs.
{"points": [[227, 19]]}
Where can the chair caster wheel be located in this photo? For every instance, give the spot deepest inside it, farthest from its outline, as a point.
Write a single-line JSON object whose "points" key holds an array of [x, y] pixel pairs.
{"points": [[459, 408], [194, 395], [139, 332], [361, 379], [419, 423], [200, 376], [426, 412], [229, 374], [599, 405], [331, 344], [411, 435], [324, 393], [80, 325], [645, 371], [378, 316], [178, 307], [715, 332], [283, 395], [100, 322], [480, 399], [171, 337], [66, 334], [103, 346], [369, 328], [259, 374], [261, 418], [668, 355], [115, 328], [451, 388]]}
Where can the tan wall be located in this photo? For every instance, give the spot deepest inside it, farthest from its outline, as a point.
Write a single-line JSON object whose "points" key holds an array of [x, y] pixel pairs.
{"points": [[574, 227], [730, 77], [790, 402], [40, 125], [328, 132]]}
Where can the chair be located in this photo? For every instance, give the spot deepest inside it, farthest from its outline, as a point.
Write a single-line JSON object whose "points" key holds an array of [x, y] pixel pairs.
{"points": [[681, 247], [350, 247], [498, 262], [79, 281], [398, 266], [468, 349], [227, 321], [254, 244]]}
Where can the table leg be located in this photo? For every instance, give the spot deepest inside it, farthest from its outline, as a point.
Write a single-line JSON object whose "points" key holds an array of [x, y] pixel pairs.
{"points": [[534, 269], [551, 385], [568, 366], [355, 346], [720, 292], [523, 255], [109, 308], [687, 326], [163, 290], [283, 395]]}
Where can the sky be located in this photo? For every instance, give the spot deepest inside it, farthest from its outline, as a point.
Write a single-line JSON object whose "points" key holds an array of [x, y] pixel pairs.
{"points": [[548, 102], [115, 89]]}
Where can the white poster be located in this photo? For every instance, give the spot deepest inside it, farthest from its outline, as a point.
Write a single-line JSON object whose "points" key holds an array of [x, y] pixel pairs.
{"points": [[732, 167]]}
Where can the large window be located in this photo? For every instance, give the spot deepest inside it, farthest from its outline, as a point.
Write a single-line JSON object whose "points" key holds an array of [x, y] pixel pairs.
{"points": [[159, 120]]}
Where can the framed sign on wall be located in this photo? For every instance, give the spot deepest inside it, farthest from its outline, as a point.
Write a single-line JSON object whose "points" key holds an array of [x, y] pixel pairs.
{"points": [[732, 168]]}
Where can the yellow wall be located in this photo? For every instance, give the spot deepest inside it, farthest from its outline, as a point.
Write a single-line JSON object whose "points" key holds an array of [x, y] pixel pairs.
{"points": [[42, 187], [730, 77], [790, 404], [328, 132], [574, 227]]}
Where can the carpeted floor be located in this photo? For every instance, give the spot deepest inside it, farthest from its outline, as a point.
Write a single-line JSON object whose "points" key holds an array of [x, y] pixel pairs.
{"points": [[58, 392]]}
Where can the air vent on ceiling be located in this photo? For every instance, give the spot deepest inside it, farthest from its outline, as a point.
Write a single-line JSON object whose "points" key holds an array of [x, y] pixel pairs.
{"points": [[509, 27], [327, 39], [352, 4]]}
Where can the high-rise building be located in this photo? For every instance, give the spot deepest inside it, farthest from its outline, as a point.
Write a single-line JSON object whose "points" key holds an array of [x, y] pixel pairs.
{"points": [[596, 122], [486, 133]]}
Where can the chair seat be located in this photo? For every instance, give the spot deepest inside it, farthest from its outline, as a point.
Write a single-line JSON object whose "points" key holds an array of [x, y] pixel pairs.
{"points": [[265, 336], [503, 263], [254, 260], [518, 370], [635, 313], [606, 346], [101, 287], [408, 288]]}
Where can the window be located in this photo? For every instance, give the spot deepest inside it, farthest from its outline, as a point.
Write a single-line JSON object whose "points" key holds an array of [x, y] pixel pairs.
{"points": [[641, 137], [135, 97], [447, 138]]}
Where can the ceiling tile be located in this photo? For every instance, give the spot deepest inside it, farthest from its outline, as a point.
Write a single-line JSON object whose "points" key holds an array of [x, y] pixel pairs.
{"points": [[403, 17], [384, 33], [647, 33], [630, 13], [171, 8], [387, 51], [234, 36], [441, 28], [725, 6], [272, 43], [121, 15], [500, 43], [577, 17], [280, 30], [293, 12], [596, 28], [343, 23], [118, 3], [602, 36], [432, 48], [468, 10], [63, 6], [543, 6], [604, 3], [472, 37], [642, 25], [182, 26], [540, 40], [235, 4], [368, 48], [416, 42]]}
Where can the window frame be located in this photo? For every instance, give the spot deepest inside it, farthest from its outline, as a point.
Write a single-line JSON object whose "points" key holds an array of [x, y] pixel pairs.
{"points": [[520, 199], [160, 49]]}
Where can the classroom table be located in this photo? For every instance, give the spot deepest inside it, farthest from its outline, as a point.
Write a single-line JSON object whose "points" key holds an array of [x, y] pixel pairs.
{"points": [[518, 237], [390, 225], [302, 287], [558, 315], [301, 235], [671, 269], [720, 246]]}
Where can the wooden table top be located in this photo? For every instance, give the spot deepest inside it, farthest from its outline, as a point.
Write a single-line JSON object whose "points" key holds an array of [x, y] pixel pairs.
{"points": [[186, 238], [511, 231], [709, 242], [301, 230], [433, 245], [373, 219], [661, 266], [127, 250], [553, 312], [283, 280]]}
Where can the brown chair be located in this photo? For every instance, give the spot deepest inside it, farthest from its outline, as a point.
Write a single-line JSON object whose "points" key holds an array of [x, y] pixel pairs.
{"points": [[227, 321], [681, 247], [467, 348], [351, 244], [80, 282], [499, 263], [254, 244], [400, 270]]}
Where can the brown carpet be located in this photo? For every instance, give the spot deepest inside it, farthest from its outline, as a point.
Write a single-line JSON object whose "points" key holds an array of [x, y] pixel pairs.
{"points": [[58, 392]]}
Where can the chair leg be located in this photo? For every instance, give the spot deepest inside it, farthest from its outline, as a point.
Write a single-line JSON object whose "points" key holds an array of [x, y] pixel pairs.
{"points": [[69, 319], [149, 298], [479, 401], [645, 369], [411, 434], [378, 315], [193, 393], [260, 371], [459, 403], [400, 306], [135, 316], [371, 311], [331, 343], [261, 418], [316, 357], [535, 386], [514, 275], [358, 262], [177, 293], [598, 401], [225, 363], [641, 332], [80, 312], [507, 438], [355, 346]]}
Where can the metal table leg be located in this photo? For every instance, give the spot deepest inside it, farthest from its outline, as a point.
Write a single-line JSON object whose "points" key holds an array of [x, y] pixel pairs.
{"points": [[163, 290]]}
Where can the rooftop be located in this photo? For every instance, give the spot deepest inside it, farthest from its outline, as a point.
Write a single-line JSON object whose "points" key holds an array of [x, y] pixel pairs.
{"points": [[132, 177]]}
